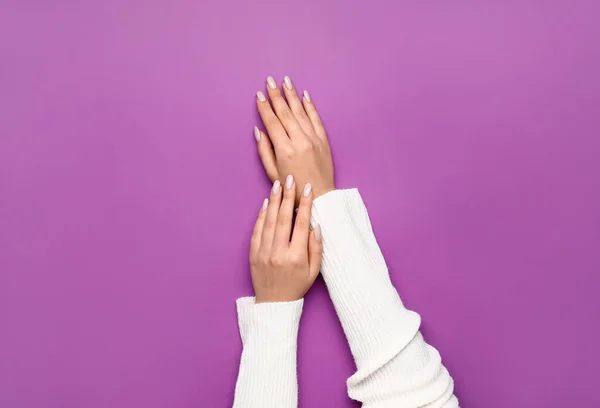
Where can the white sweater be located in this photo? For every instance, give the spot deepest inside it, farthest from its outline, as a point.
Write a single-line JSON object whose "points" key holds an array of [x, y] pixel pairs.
{"points": [[395, 367]]}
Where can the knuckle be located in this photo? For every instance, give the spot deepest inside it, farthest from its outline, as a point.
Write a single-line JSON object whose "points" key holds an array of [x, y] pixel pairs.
{"points": [[276, 260], [262, 258], [300, 113], [272, 121], [308, 146], [301, 222], [284, 220], [270, 224], [296, 258], [286, 152], [284, 114]]}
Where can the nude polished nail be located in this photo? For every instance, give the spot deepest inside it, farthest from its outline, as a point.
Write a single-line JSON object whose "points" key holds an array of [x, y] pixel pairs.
{"points": [[261, 96], [289, 182], [307, 190], [307, 96], [288, 83], [271, 82], [256, 134], [276, 187]]}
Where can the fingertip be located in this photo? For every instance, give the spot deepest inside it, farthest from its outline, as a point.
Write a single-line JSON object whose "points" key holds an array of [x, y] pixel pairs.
{"points": [[276, 189], [307, 193], [257, 134], [273, 90], [289, 184], [313, 115], [307, 190], [261, 137], [264, 206], [266, 154], [289, 192], [271, 83], [287, 81], [306, 97], [288, 88]]}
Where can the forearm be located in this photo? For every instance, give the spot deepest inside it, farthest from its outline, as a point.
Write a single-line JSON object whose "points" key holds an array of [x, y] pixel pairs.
{"points": [[267, 376], [394, 364]]}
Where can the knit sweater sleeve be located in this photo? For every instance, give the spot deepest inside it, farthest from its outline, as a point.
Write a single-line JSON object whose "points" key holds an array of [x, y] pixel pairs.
{"points": [[267, 375], [395, 366]]}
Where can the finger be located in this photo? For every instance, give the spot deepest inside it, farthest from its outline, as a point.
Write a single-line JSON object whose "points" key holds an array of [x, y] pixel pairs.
{"points": [[271, 216], [296, 106], [274, 128], [315, 252], [266, 153], [313, 115], [258, 227], [286, 214], [284, 114], [302, 226]]}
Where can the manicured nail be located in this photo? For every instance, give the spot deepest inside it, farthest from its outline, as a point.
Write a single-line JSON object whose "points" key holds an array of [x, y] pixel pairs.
{"points": [[271, 83], [256, 134], [289, 182], [276, 187], [307, 190], [288, 83], [318, 233], [264, 205], [306, 96], [261, 96]]}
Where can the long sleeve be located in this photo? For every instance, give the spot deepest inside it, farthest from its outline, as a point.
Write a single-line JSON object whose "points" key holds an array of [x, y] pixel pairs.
{"points": [[267, 376], [395, 367]]}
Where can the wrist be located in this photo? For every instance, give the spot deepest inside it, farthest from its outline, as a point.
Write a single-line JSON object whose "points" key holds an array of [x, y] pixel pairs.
{"points": [[318, 192], [272, 299]]}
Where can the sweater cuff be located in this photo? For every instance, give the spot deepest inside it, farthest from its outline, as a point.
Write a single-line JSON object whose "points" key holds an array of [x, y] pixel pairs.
{"points": [[270, 321]]}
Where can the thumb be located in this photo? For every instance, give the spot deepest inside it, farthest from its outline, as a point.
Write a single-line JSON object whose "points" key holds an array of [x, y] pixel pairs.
{"points": [[315, 252]]}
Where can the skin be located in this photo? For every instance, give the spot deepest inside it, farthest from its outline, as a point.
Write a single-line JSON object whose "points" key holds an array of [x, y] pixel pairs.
{"points": [[284, 269], [295, 141], [295, 145]]}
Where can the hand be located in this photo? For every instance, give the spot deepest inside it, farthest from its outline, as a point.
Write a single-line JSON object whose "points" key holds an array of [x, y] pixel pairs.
{"points": [[284, 270], [296, 142]]}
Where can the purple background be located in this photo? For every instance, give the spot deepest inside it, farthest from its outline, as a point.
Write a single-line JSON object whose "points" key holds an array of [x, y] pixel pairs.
{"points": [[129, 183]]}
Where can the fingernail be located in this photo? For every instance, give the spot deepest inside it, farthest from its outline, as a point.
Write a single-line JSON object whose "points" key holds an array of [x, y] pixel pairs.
{"points": [[306, 96], [261, 96], [264, 204], [307, 190], [276, 187], [271, 83], [256, 133], [289, 181], [288, 83], [318, 233]]}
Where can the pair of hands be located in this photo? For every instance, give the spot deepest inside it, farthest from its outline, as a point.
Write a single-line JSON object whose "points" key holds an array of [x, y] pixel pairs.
{"points": [[295, 147]]}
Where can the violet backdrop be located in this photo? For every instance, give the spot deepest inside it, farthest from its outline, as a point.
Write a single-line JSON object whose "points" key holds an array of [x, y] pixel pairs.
{"points": [[129, 183]]}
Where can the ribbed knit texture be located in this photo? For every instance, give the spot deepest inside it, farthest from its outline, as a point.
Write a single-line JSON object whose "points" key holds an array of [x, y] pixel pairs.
{"points": [[395, 367], [267, 376]]}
